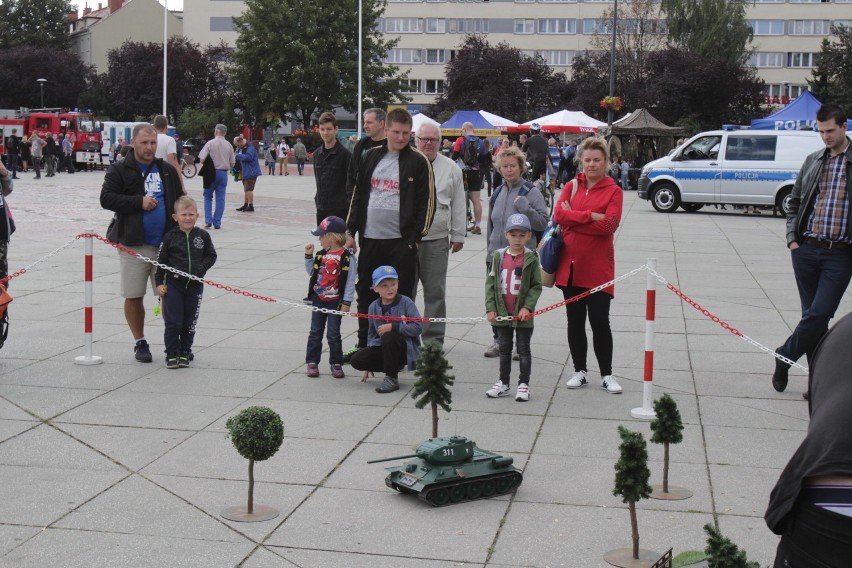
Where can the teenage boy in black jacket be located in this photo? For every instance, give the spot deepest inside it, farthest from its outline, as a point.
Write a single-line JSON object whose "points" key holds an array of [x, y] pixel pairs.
{"points": [[189, 249]]}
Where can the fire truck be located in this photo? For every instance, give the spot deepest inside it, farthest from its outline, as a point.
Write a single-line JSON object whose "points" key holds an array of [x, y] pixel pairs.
{"points": [[80, 128]]}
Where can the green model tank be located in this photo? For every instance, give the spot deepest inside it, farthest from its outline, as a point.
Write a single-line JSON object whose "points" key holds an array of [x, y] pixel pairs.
{"points": [[452, 470]]}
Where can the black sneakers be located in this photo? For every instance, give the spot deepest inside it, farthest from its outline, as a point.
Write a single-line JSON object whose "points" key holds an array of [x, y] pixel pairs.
{"points": [[142, 351]]}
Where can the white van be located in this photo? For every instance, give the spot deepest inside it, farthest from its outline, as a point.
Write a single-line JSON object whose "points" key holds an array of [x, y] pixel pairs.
{"points": [[741, 167]]}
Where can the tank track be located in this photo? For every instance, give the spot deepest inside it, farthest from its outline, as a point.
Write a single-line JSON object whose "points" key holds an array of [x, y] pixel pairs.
{"points": [[462, 490]]}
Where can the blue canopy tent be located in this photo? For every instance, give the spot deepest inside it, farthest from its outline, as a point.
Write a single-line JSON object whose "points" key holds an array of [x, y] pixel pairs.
{"points": [[483, 128], [801, 112]]}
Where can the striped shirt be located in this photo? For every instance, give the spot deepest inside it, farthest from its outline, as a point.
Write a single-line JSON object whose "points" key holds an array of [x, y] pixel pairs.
{"points": [[829, 219], [837, 498]]}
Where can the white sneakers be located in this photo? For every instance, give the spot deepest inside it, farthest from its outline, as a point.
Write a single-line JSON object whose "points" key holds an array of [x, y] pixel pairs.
{"points": [[499, 389], [609, 383], [577, 380]]}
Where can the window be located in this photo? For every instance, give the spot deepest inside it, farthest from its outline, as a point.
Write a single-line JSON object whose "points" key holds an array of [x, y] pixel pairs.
{"points": [[705, 148], [403, 25], [557, 26], [557, 56], [809, 27], [436, 56], [767, 27], [524, 26], [436, 26], [468, 26], [434, 86], [766, 59], [410, 86], [554, 1], [796, 90], [750, 148], [398, 55], [802, 59], [591, 26]]}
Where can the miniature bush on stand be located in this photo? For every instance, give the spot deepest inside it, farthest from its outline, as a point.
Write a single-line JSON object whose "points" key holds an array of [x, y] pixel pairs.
{"points": [[668, 429], [433, 383], [257, 432], [722, 553], [631, 484]]}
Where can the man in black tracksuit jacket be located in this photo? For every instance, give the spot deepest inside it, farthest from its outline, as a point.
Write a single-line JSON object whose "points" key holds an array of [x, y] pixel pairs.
{"points": [[382, 192]]}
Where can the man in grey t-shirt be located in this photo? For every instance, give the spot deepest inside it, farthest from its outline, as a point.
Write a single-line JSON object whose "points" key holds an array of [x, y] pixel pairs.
{"points": [[392, 206]]}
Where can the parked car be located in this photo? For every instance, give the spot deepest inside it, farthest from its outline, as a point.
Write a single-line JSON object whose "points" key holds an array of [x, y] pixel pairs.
{"points": [[193, 145], [740, 167]]}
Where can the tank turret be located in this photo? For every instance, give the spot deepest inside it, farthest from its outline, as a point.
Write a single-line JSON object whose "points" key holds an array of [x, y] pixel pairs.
{"points": [[451, 470]]}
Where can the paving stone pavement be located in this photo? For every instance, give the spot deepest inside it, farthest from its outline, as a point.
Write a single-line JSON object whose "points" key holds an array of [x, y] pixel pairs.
{"points": [[127, 465]]}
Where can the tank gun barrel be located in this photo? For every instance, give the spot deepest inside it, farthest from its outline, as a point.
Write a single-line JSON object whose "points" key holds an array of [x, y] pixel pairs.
{"points": [[394, 458]]}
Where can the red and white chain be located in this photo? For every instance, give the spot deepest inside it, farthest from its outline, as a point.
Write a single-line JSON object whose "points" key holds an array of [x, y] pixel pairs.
{"points": [[725, 325]]}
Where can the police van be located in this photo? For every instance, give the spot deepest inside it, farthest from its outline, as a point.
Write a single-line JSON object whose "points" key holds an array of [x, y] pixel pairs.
{"points": [[740, 167]]}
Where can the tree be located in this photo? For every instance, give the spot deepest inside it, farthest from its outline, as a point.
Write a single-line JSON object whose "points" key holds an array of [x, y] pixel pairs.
{"points": [[639, 31], [722, 553], [433, 382], [257, 432], [589, 83], [832, 81], [66, 76], [710, 90], [716, 28], [668, 429], [317, 67], [134, 78], [35, 23], [631, 476], [482, 76]]}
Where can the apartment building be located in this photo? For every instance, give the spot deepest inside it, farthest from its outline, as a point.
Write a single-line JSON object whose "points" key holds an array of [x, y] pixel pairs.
{"points": [[787, 34]]}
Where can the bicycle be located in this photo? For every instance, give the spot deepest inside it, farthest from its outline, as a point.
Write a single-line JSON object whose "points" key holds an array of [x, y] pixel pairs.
{"points": [[471, 222], [188, 169]]}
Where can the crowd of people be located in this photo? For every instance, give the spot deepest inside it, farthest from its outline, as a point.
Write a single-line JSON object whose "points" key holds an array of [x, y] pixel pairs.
{"points": [[390, 213]]}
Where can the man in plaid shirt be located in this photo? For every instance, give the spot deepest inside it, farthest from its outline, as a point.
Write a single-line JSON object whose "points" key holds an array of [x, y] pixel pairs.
{"points": [[819, 237]]}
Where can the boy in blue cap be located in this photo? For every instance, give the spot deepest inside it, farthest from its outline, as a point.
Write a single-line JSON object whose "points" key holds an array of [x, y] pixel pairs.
{"points": [[512, 288], [391, 344]]}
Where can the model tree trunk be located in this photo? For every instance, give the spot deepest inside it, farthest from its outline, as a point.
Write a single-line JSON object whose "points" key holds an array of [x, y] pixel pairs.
{"points": [[666, 467], [634, 527], [434, 419], [250, 507]]}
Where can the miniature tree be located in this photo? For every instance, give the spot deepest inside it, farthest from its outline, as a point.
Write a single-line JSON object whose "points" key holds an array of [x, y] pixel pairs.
{"points": [[433, 382], [631, 476], [722, 553], [257, 432], [668, 429]]}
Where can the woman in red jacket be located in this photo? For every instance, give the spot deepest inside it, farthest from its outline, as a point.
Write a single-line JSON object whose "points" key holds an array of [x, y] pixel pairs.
{"points": [[589, 214]]}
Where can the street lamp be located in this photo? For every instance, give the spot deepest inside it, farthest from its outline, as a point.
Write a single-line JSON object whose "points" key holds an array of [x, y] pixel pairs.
{"points": [[527, 83], [610, 113], [41, 83], [785, 91]]}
